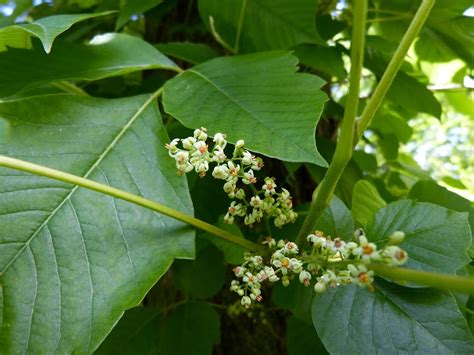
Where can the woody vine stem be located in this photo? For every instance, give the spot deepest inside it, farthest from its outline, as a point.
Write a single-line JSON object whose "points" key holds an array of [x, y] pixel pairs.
{"points": [[325, 190]]}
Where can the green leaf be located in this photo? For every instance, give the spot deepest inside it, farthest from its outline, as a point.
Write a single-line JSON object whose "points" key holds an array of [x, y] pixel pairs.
{"points": [[295, 297], [233, 254], [256, 97], [72, 260], [413, 95], [391, 320], [436, 238], [46, 29], [128, 8], [192, 328], [336, 220], [266, 25], [194, 53], [105, 56], [135, 333], [4, 130], [366, 201], [202, 277], [325, 59], [302, 339], [390, 122]]}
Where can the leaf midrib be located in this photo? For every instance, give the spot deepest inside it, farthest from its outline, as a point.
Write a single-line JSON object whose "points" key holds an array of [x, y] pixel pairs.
{"points": [[124, 129]]}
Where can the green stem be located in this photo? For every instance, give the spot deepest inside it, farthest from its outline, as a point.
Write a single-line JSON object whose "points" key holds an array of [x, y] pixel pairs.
{"points": [[442, 281], [126, 196], [393, 67], [217, 37], [343, 153], [239, 26]]}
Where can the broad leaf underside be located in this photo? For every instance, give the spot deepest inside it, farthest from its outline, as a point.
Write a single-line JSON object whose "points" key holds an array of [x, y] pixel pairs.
{"points": [[72, 260]]}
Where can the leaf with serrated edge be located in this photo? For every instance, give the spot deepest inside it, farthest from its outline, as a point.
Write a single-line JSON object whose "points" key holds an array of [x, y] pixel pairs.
{"points": [[391, 320], [110, 54], [72, 260], [436, 238], [46, 29], [256, 97]]}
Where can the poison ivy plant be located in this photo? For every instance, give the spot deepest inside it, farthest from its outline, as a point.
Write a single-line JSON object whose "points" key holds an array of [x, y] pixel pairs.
{"points": [[298, 122]]}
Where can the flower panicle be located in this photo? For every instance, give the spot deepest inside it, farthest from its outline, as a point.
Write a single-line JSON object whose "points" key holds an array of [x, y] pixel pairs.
{"points": [[238, 173], [330, 262]]}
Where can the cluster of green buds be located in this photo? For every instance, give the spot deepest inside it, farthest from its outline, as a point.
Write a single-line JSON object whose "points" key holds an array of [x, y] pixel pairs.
{"points": [[238, 172], [331, 262]]}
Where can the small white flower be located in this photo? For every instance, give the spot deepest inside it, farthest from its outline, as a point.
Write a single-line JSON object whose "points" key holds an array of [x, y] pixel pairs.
{"points": [[220, 141], [200, 134], [269, 186], [201, 148], [247, 158], [291, 248], [233, 169], [239, 144], [172, 146], [219, 155], [188, 143], [246, 301], [249, 178], [220, 172], [305, 277], [295, 265], [256, 202], [229, 187]]}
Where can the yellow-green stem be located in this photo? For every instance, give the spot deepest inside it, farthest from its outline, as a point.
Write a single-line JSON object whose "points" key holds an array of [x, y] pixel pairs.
{"points": [[323, 194], [424, 278], [123, 195]]}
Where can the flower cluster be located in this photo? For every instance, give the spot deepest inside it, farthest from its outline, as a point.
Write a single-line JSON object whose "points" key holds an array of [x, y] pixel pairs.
{"points": [[238, 172], [331, 262]]}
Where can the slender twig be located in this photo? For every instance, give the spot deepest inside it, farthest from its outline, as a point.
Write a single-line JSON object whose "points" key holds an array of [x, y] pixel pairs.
{"points": [[239, 26], [424, 278], [323, 194], [393, 67], [126, 196]]}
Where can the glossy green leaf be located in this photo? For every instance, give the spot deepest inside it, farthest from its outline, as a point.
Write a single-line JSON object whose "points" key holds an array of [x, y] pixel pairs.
{"points": [[135, 333], [192, 328], [391, 320], [72, 260], [302, 338], [436, 238], [325, 59], [128, 8], [105, 56], [46, 29], [4, 130], [194, 53], [266, 24], [366, 201], [255, 97], [336, 220]]}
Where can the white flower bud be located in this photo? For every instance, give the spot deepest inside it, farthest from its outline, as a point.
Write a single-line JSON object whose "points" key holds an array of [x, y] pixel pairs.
{"points": [[396, 237], [320, 287], [246, 301], [220, 172], [188, 143], [239, 144], [229, 187], [285, 281], [240, 194], [247, 158], [240, 292], [220, 141], [200, 134]]}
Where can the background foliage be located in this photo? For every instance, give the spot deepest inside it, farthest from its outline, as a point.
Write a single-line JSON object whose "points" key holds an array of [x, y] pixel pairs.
{"points": [[78, 89]]}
